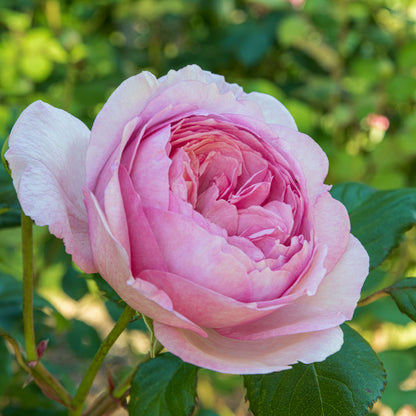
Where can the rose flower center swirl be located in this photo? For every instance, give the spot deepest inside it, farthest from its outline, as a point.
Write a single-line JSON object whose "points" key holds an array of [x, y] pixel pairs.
{"points": [[248, 191]]}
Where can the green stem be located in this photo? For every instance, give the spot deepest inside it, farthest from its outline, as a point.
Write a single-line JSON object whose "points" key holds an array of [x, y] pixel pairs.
{"points": [[50, 386], [107, 403], [373, 297], [27, 255], [89, 377], [13, 343], [41, 375]]}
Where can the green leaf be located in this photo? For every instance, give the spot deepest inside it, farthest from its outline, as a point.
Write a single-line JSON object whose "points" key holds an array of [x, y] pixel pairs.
{"points": [[83, 339], [24, 411], [352, 194], [107, 290], [11, 303], [399, 365], [404, 294], [9, 205], [379, 219], [74, 283], [5, 366], [163, 386], [346, 384]]}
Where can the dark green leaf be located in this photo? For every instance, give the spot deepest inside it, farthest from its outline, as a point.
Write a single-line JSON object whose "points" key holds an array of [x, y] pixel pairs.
{"points": [[385, 309], [404, 294], [379, 219], [83, 339], [9, 205], [74, 283], [206, 412], [23, 411], [5, 366], [345, 384], [11, 302], [163, 386], [352, 194], [107, 290]]}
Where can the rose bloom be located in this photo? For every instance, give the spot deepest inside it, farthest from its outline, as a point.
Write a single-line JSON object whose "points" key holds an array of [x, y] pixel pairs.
{"points": [[205, 209]]}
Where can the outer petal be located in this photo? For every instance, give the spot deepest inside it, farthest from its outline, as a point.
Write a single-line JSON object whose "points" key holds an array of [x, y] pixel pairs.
{"points": [[332, 227], [113, 265], [311, 158], [195, 73], [228, 355], [126, 102], [333, 303], [274, 112], [47, 158]]}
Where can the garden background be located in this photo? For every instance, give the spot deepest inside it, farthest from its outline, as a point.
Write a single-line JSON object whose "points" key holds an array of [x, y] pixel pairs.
{"points": [[345, 69]]}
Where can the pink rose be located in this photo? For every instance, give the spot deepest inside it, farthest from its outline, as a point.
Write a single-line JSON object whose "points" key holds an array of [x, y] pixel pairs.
{"points": [[205, 209]]}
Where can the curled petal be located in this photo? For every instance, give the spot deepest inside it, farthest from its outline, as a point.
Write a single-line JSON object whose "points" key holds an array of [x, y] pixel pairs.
{"points": [[234, 356], [47, 150]]}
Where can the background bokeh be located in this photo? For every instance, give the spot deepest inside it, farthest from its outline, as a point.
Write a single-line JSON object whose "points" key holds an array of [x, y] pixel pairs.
{"points": [[345, 69]]}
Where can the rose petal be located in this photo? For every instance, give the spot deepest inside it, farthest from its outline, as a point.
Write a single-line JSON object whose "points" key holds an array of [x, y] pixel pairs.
{"points": [[113, 265], [332, 227], [274, 112], [216, 310], [47, 149], [195, 98], [311, 158], [195, 73], [192, 252], [150, 171], [333, 303], [145, 252], [126, 102], [228, 355]]}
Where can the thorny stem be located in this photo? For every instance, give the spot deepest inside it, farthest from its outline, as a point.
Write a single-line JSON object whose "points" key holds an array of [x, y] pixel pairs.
{"points": [[36, 369], [89, 376], [107, 402], [27, 255]]}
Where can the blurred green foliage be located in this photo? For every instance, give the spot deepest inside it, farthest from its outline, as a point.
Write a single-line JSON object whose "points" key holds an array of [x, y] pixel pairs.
{"points": [[345, 69], [332, 63]]}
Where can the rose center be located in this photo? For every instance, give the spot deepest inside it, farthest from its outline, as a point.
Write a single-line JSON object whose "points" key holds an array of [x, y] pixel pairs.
{"points": [[238, 188]]}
